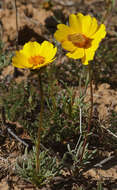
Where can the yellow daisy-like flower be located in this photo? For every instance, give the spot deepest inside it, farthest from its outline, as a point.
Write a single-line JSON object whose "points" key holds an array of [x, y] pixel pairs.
{"points": [[81, 38], [34, 55]]}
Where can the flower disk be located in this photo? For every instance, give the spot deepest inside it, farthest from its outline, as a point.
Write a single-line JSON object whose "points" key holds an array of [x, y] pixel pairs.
{"points": [[81, 38], [34, 55]]}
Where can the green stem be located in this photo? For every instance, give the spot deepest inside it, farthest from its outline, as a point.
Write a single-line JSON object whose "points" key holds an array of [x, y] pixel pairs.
{"points": [[40, 126], [90, 114]]}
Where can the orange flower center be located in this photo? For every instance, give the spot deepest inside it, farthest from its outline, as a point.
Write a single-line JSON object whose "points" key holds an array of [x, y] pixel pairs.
{"points": [[80, 40], [36, 60]]}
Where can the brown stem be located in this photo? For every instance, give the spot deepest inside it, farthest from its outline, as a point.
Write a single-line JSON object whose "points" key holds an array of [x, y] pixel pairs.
{"points": [[17, 36], [40, 126], [17, 29], [90, 114]]}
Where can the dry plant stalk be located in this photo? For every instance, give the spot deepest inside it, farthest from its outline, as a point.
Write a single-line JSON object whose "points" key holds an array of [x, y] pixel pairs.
{"points": [[40, 126], [91, 111], [17, 28]]}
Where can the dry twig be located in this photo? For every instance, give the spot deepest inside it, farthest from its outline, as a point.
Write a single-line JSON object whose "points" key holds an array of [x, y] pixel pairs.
{"points": [[110, 133]]}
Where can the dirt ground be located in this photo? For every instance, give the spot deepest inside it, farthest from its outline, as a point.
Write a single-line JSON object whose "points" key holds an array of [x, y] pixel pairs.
{"points": [[37, 20]]}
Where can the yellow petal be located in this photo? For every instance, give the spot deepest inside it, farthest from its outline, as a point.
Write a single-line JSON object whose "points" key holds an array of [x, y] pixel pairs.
{"points": [[88, 55], [50, 56], [98, 36], [63, 27], [69, 46], [75, 23], [43, 65], [90, 52], [20, 61], [85, 22], [93, 27], [62, 32], [47, 50], [31, 49], [85, 62], [77, 54], [100, 33], [80, 16]]}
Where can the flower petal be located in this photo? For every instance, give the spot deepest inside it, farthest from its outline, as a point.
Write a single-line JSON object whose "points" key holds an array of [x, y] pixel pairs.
{"points": [[31, 49], [62, 32], [47, 50], [98, 36], [69, 46], [77, 54], [88, 55], [86, 23], [90, 52], [44, 64], [100, 33], [93, 27], [85, 61], [75, 23], [20, 61]]}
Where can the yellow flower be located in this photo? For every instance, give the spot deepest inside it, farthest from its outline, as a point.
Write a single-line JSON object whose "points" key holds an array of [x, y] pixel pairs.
{"points": [[34, 55], [81, 38]]}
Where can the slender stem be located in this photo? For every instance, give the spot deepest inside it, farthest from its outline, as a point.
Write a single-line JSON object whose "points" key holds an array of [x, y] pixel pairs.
{"points": [[91, 112], [17, 35], [17, 29], [91, 99], [40, 126]]}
